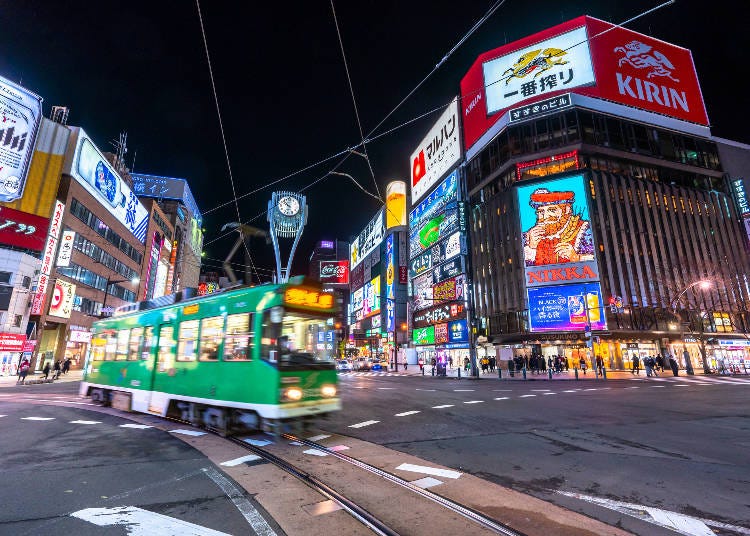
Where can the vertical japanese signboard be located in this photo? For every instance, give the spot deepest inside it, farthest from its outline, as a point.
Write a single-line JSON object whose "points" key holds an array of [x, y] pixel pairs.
{"points": [[48, 258]]}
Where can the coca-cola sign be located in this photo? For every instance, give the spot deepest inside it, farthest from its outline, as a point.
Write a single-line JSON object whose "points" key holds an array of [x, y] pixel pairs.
{"points": [[334, 272]]}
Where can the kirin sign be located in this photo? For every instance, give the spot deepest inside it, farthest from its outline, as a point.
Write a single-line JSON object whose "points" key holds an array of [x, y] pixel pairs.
{"points": [[334, 272]]}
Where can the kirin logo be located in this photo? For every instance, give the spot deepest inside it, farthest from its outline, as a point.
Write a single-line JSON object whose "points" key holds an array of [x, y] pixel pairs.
{"points": [[642, 56]]}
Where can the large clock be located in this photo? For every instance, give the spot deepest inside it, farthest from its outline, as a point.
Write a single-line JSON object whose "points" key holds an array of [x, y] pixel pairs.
{"points": [[288, 205]]}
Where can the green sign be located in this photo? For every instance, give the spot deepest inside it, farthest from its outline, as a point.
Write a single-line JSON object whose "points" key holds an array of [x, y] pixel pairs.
{"points": [[425, 335]]}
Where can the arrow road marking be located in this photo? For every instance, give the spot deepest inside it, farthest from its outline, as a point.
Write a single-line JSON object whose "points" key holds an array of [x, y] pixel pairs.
{"points": [[238, 461], [138, 522], [680, 523]]}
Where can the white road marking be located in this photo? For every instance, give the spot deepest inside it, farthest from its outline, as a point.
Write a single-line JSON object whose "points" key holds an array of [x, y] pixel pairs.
{"points": [[85, 422], [242, 459], [363, 424], [386, 388], [139, 426], [463, 390], [431, 390], [540, 390], [591, 389], [502, 390], [3, 415], [405, 413], [681, 385], [652, 386], [474, 402], [188, 432], [295, 443], [248, 511], [636, 387], [680, 523], [502, 398], [257, 442], [445, 473], [443, 406], [427, 482], [37, 418], [338, 448], [315, 452], [525, 396], [550, 393], [569, 391], [318, 437], [138, 522]]}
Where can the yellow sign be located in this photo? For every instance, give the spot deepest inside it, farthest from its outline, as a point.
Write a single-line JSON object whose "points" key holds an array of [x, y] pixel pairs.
{"points": [[395, 204], [308, 298], [190, 309]]}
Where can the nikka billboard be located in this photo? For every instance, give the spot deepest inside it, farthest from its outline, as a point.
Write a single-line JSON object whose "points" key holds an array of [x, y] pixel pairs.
{"points": [[585, 56]]}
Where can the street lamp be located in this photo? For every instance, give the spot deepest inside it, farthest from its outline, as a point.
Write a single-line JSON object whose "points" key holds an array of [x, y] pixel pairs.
{"points": [[704, 284], [133, 280]]}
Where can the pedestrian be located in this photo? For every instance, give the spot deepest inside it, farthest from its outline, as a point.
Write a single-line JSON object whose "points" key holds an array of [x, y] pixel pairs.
{"points": [[673, 365], [467, 364], [57, 370], [549, 362], [46, 370], [600, 365], [583, 365], [420, 362], [434, 362], [648, 363], [450, 362], [66, 365], [406, 365], [564, 362], [23, 370], [485, 363], [636, 365], [660, 362]]}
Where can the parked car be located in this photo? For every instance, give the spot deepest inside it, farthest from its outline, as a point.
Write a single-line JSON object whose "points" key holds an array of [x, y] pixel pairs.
{"points": [[378, 366], [344, 365], [362, 364]]}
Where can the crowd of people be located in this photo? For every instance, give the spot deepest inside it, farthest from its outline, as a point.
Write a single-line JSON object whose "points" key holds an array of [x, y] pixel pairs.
{"points": [[60, 366]]}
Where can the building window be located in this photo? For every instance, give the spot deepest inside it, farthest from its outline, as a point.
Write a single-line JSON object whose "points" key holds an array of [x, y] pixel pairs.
{"points": [[17, 321], [5, 277]]}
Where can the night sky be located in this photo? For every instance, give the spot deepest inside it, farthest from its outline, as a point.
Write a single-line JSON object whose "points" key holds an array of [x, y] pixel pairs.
{"points": [[140, 67]]}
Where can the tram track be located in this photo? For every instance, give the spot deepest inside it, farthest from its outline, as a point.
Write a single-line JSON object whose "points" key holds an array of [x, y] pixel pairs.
{"points": [[357, 510]]}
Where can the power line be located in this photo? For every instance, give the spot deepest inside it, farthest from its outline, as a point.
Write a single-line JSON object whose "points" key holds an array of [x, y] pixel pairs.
{"points": [[223, 136]]}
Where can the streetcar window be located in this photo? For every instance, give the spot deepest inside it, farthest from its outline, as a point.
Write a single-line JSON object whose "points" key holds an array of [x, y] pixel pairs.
{"points": [[98, 346], [296, 338], [187, 340], [166, 348], [136, 335], [121, 353], [212, 332], [238, 343], [110, 344], [148, 343]]}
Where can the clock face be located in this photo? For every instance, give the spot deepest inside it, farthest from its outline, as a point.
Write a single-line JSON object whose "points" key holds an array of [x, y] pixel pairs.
{"points": [[288, 205]]}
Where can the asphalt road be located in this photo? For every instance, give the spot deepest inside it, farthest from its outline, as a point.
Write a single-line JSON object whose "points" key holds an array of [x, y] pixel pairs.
{"points": [[678, 444], [59, 461]]}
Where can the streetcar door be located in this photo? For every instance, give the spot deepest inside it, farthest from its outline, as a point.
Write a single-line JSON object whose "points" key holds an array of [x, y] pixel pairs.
{"points": [[164, 369]]}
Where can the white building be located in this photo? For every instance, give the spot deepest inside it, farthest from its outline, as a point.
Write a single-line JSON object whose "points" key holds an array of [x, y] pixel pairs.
{"points": [[18, 272]]}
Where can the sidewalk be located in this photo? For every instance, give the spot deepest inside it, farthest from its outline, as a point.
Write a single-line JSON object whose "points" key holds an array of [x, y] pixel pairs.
{"points": [[503, 375], [32, 379]]}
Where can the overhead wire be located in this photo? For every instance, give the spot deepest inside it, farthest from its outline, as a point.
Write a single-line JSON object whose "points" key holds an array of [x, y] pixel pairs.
{"points": [[354, 99], [223, 137]]}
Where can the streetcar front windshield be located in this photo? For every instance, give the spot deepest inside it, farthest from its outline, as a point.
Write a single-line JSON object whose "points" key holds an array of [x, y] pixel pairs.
{"points": [[293, 338]]}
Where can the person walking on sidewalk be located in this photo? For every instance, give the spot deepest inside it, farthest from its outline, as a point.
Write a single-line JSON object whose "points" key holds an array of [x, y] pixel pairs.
{"points": [[46, 369], [636, 365], [66, 365], [57, 370], [420, 362], [673, 365], [600, 365], [648, 364], [583, 365], [23, 370]]}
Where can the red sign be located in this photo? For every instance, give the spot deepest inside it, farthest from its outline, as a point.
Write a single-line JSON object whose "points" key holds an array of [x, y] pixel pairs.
{"points": [[403, 274], [630, 68], [12, 342], [22, 229], [334, 272], [28, 346]]}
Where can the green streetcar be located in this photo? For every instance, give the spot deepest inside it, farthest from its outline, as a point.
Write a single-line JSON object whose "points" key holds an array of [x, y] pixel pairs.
{"points": [[252, 357]]}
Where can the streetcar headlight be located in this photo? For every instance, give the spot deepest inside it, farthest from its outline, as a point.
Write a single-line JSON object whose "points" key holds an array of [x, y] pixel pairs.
{"points": [[292, 393], [328, 391]]}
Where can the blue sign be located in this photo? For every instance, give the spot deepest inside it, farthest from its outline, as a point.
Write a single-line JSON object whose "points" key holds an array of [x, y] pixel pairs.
{"points": [[166, 188], [457, 331], [566, 307]]}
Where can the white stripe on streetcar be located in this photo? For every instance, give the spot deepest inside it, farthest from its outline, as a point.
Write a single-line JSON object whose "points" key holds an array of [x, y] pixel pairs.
{"points": [[405, 413], [242, 459], [434, 471], [363, 424]]}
